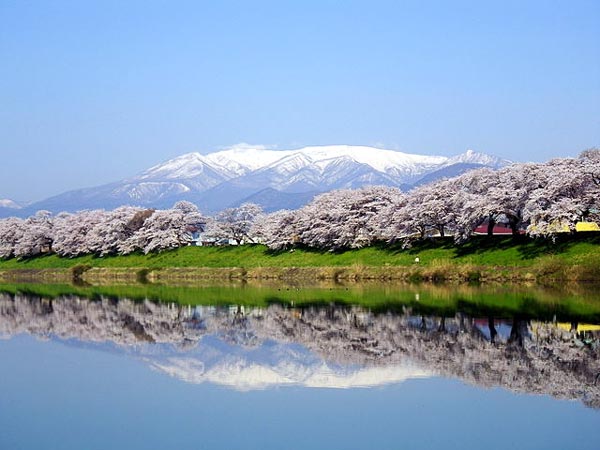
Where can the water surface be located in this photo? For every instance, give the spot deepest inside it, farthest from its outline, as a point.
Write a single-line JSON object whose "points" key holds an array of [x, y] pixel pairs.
{"points": [[407, 368]]}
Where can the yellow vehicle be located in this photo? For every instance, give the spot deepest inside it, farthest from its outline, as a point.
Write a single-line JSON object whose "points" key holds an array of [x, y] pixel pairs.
{"points": [[586, 226]]}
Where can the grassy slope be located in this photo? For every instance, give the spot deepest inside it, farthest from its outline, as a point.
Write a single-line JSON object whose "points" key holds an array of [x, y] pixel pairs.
{"points": [[480, 252]]}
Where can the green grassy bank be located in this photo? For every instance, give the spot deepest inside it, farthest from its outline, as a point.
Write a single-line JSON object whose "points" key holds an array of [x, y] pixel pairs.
{"points": [[571, 257]]}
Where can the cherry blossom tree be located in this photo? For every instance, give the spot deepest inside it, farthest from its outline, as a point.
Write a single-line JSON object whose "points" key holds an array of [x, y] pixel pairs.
{"points": [[568, 194], [72, 232], [470, 204], [11, 232], [515, 186], [235, 223], [278, 230], [491, 196], [37, 236], [114, 228], [334, 220], [429, 208], [165, 229]]}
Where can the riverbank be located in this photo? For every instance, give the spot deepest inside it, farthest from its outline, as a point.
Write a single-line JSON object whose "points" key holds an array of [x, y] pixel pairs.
{"points": [[483, 259]]}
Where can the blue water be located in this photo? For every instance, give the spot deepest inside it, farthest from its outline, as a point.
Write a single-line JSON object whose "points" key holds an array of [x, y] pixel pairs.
{"points": [[59, 396]]}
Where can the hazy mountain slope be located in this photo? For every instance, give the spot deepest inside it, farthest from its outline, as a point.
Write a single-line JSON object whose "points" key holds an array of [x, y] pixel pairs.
{"points": [[447, 172], [273, 200]]}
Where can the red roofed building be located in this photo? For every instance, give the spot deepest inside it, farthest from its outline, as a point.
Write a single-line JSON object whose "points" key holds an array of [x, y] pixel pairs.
{"points": [[499, 229]]}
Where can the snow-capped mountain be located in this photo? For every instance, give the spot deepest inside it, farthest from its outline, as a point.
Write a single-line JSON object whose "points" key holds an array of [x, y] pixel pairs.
{"points": [[224, 178]]}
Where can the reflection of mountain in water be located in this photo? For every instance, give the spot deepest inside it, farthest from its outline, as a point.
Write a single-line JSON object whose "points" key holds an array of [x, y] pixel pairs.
{"points": [[321, 347]]}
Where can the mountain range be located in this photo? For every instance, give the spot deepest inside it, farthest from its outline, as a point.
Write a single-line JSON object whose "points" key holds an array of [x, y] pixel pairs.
{"points": [[275, 179]]}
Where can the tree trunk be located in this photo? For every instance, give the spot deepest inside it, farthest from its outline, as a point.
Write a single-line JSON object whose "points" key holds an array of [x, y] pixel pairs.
{"points": [[493, 332], [518, 332], [513, 222], [490, 227]]}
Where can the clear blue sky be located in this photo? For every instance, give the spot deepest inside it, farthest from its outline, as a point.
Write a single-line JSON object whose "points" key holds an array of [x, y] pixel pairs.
{"points": [[92, 92]]}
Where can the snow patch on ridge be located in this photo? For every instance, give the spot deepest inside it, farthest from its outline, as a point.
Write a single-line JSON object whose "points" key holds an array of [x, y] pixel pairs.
{"points": [[143, 190], [8, 203]]}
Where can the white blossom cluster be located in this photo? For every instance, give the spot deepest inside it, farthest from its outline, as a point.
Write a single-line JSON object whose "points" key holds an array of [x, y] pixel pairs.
{"points": [[540, 199], [121, 231], [235, 223]]}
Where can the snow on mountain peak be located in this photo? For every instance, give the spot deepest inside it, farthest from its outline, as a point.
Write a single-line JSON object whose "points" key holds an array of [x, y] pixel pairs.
{"points": [[245, 159], [290, 163], [240, 160], [248, 158], [379, 159], [184, 166]]}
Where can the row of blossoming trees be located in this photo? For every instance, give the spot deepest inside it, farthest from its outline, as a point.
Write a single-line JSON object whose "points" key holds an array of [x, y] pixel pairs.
{"points": [[541, 199], [121, 231]]}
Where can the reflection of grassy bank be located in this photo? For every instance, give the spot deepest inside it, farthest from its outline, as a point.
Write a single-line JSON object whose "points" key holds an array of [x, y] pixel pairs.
{"points": [[579, 303], [485, 259]]}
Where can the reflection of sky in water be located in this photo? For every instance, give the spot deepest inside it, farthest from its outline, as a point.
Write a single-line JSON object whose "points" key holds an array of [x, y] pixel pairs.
{"points": [[57, 396]]}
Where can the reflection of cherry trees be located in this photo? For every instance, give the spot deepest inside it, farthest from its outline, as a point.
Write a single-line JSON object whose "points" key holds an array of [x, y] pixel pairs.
{"points": [[524, 356], [540, 199]]}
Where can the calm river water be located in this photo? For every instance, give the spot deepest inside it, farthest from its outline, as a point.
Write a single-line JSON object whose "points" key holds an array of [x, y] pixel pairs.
{"points": [[298, 368]]}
